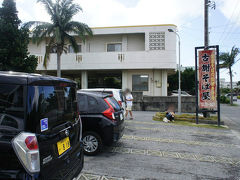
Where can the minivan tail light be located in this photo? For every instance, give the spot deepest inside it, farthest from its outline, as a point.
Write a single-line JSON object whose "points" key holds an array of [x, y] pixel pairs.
{"points": [[109, 113], [31, 143], [26, 148]]}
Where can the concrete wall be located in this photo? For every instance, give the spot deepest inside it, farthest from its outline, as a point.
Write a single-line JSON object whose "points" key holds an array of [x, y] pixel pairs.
{"points": [[113, 60], [99, 43], [135, 50], [156, 81], [161, 103], [136, 42]]}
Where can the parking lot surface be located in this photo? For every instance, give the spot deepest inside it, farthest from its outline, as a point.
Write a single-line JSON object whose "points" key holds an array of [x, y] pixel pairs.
{"points": [[157, 150]]}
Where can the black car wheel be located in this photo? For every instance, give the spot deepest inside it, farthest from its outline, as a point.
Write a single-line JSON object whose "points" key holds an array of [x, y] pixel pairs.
{"points": [[92, 143]]}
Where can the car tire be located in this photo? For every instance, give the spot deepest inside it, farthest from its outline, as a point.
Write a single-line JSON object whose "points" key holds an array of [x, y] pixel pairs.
{"points": [[92, 143]]}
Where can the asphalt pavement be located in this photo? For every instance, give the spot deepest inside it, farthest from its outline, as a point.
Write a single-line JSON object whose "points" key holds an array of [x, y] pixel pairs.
{"points": [[158, 150]]}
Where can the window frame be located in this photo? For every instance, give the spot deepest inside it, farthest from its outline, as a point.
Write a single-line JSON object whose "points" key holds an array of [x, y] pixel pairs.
{"points": [[106, 46], [144, 74]]}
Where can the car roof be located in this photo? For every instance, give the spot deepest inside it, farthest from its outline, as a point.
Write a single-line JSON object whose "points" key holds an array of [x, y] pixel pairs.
{"points": [[94, 94], [9, 77], [101, 89]]}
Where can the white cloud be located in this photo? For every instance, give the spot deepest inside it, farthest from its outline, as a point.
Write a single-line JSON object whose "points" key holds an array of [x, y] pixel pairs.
{"points": [[40, 14], [230, 9], [115, 12], [109, 12]]}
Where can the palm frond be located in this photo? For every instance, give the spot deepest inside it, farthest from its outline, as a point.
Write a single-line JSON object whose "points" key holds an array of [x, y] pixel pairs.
{"points": [[30, 24], [69, 10], [80, 29], [73, 42], [48, 5], [228, 59], [41, 31]]}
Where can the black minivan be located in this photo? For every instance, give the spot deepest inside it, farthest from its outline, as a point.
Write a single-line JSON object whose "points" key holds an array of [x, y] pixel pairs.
{"points": [[102, 120], [40, 128]]}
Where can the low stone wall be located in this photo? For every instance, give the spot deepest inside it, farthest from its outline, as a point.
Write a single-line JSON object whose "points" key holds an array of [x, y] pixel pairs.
{"points": [[161, 103]]}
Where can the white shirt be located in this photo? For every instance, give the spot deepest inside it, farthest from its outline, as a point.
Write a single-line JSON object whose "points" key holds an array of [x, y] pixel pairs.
{"points": [[128, 98]]}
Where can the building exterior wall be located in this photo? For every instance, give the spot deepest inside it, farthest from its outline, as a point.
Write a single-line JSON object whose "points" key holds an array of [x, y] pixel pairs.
{"points": [[98, 43], [156, 86], [138, 56], [136, 42]]}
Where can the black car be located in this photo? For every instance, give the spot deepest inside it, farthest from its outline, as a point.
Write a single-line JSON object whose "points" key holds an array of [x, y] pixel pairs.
{"points": [[40, 128], [102, 119]]}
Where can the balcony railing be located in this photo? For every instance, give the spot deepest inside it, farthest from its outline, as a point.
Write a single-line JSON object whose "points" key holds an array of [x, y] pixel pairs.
{"points": [[112, 60]]}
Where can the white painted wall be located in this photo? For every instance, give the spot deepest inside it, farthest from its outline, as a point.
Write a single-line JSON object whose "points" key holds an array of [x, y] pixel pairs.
{"points": [[136, 42], [134, 58], [111, 60], [156, 86], [98, 43]]}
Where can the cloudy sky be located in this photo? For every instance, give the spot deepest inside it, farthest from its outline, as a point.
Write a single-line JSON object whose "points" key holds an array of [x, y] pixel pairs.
{"points": [[224, 21]]}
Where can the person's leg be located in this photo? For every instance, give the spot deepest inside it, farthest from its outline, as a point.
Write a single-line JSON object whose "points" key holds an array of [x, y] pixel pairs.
{"points": [[126, 114], [130, 112]]}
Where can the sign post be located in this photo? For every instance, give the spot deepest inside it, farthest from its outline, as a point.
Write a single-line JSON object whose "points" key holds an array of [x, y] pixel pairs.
{"points": [[207, 80]]}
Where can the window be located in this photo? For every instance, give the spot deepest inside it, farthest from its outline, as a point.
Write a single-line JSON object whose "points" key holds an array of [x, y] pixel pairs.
{"points": [[71, 50], [82, 103], [54, 102], [9, 121], [11, 106], [113, 103], [140, 82], [114, 47]]}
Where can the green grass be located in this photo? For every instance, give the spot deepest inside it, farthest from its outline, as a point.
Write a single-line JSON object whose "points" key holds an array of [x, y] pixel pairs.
{"points": [[187, 123], [233, 104], [189, 120], [185, 117]]}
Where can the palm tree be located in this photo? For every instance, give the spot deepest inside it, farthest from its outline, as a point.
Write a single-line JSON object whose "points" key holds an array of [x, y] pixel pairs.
{"points": [[228, 60], [57, 33]]}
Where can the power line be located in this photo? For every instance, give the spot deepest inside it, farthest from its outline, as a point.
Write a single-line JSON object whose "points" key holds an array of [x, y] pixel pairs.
{"points": [[228, 22]]}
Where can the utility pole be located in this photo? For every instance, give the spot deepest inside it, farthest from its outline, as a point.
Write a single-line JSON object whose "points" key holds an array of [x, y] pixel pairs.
{"points": [[206, 3]]}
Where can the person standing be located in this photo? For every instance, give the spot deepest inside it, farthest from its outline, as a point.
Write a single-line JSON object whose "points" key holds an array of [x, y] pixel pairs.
{"points": [[129, 101]]}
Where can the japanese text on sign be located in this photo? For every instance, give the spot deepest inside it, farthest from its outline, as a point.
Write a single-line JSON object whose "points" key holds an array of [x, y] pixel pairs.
{"points": [[207, 79]]}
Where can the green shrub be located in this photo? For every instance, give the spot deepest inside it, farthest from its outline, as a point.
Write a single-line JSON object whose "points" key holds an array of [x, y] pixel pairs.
{"points": [[238, 97], [224, 100]]}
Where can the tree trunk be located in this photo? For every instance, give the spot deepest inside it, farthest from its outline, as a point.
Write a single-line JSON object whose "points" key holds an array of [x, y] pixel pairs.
{"points": [[58, 63], [230, 73]]}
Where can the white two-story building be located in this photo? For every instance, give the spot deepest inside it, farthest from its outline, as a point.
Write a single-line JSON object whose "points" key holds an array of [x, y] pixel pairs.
{"points": [[136, 57]]}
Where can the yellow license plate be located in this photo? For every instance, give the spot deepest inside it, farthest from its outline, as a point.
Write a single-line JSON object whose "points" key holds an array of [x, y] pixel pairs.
{"points": [[63, 145]]}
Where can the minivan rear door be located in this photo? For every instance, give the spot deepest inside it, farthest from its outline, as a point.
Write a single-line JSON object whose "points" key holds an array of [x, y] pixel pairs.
{"points": [[12, 114], [53, 116]]}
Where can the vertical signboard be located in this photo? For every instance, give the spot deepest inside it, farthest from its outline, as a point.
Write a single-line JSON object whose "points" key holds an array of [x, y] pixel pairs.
{"points": [[207, 79]]}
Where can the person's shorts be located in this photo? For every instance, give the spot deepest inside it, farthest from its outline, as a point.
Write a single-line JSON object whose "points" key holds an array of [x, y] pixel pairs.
{"points": [[129, 108]]}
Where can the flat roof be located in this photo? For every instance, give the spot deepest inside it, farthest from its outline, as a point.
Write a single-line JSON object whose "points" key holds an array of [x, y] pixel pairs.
{"points": [[133, 26]]}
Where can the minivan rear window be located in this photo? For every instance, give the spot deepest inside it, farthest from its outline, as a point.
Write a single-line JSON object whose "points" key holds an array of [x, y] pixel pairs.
{"points": [[11, 106], [11, 100], [52, 102], [113, 103]]}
